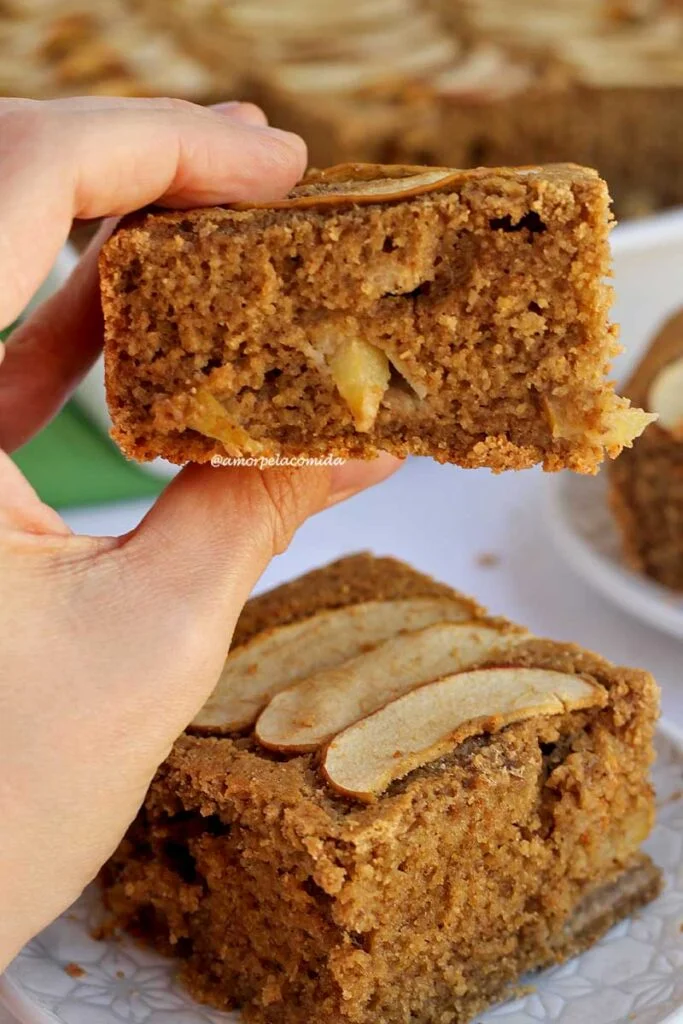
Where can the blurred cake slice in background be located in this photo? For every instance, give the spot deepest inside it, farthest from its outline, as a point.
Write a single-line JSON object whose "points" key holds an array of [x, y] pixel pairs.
{"points": [[646, 491], [455, 83], [51, 48], [589, 81]]}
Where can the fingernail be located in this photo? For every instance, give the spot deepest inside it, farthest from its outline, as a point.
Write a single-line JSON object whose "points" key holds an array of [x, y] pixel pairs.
{"points": [[293, 142], [249, 113]]}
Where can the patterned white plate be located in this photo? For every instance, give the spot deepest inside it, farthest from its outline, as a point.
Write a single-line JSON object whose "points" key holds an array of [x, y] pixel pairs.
{"points": [[585, 534], [634, 975]]}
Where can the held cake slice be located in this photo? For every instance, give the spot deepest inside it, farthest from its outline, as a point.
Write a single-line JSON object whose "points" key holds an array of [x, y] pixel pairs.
{"points": [[646, 488], [457, 314], [401, 835]]}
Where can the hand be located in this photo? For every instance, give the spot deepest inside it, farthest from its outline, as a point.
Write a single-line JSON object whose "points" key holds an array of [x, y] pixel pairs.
{"points": [[109, 646]]}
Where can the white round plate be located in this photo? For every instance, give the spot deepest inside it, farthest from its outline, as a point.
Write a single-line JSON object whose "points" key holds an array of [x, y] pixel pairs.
{"points": [[634, 974], [584, 532]]}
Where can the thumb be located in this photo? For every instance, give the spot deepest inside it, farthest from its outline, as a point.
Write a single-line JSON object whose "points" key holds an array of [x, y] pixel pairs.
{"points": [[214, 530]]}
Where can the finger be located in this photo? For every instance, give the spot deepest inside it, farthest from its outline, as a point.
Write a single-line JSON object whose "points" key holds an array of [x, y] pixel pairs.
{"points": [[20, 507], [50, 354], [65, 159], [224, 525], [358, 475], [52, 351], [46, 358], [247, 112]]}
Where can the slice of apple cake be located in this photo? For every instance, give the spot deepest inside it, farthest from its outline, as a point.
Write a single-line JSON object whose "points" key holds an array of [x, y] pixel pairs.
{"points": [[391, 808], [457, 314]]}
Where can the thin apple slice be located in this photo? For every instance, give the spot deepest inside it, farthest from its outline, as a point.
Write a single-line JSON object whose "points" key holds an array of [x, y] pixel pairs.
{"points": [[272, 660], [431, 721], [311, 712], [361, 183]]}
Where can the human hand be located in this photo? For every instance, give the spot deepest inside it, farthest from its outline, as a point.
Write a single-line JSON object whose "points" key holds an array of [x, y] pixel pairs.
{"points": [[111, 645]]}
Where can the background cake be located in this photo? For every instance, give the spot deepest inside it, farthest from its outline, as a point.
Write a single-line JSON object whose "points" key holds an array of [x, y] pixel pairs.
{"points": [[52, 48], [646, 486], [452, 82]]}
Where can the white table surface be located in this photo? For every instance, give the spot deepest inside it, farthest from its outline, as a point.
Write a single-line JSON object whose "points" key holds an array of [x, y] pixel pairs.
{"points": [[442, 520]]}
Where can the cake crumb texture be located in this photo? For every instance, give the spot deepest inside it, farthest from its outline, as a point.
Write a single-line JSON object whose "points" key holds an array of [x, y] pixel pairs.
{"points": [[465, 317]]}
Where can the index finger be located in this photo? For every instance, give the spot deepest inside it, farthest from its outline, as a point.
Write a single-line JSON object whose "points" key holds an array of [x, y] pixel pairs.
{"points": [[105, 157]]}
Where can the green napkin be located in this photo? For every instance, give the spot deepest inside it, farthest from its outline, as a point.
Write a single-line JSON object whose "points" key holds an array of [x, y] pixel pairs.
{"points": [[71, 462]]}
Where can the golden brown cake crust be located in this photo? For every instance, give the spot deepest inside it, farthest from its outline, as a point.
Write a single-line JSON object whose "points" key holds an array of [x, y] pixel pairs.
{"points": [[349, 580], [512, 852], [466, 319]]}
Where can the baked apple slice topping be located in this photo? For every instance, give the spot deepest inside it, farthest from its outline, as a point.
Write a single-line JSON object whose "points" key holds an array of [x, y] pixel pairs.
{"points": [[309, 713], [430, 721], [255, 671], [360, 183]]}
